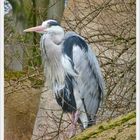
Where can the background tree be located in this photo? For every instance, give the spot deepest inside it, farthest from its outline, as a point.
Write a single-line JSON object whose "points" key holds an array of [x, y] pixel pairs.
{"points": [[29, 13]]}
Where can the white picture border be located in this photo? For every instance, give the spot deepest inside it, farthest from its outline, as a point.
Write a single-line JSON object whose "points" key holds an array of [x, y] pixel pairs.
{"points": [[138, 69], [1, 70]]}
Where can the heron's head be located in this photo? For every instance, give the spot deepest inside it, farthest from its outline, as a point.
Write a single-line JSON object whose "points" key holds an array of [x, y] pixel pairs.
{"points": [[51, 28], [45, 27]]}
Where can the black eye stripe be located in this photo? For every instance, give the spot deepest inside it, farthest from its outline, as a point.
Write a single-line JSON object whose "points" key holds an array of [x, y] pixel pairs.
{"points": [[53, 23]]}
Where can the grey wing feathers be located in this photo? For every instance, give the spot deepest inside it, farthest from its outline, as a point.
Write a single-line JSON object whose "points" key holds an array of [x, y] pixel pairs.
{"points": [[90, 82], [87, 65], [96, 70]]}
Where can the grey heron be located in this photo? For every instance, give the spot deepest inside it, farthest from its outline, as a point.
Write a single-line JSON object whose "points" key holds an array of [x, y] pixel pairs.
{"points": [[73, 71]]}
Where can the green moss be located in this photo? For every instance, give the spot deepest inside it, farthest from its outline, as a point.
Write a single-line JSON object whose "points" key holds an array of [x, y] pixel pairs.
{"points": [[11, 75], [36, 82], [95, 130], [101, 127]]}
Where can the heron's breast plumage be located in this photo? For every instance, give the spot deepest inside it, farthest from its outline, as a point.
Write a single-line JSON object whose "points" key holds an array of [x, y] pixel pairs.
{"points": [[51, 55]]}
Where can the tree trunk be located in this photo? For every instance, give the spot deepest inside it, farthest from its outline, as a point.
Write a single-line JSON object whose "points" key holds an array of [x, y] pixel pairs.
{"points": [[14, 57], [121, 128], [55, 9]]}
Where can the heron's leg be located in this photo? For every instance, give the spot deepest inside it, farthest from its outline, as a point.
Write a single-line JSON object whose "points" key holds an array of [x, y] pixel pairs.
{"points": [[74, 119], [81, 125], [76, 116]]}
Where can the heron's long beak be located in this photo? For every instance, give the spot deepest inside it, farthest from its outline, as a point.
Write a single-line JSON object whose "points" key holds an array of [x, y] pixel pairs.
{"points": [[35, 29]]}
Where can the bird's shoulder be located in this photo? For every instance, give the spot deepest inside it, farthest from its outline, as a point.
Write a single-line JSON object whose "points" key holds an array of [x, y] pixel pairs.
{"points": [[71, 41]]}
